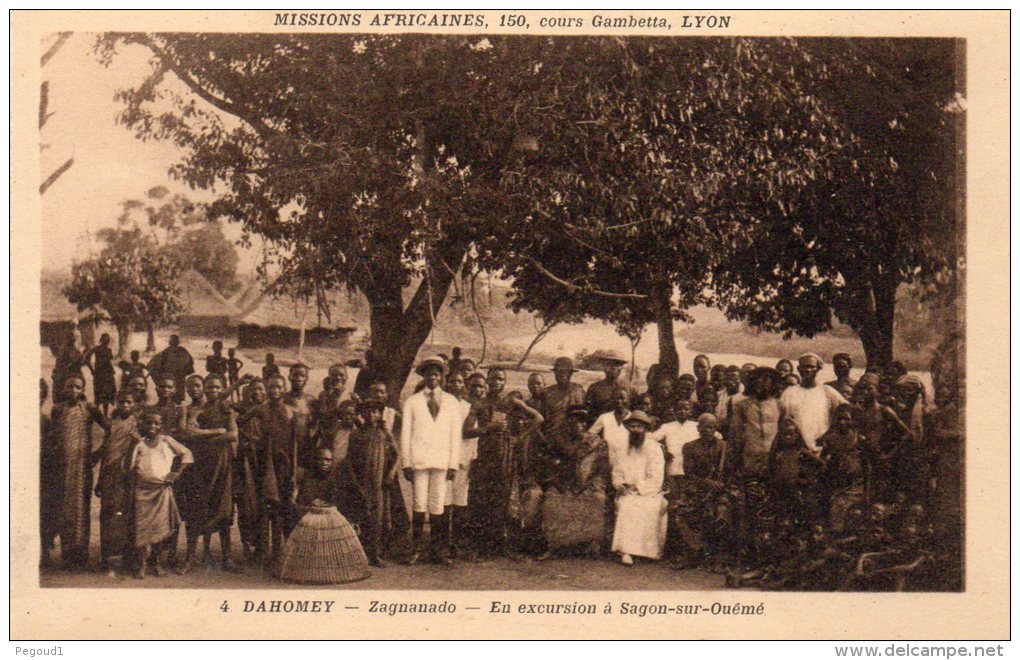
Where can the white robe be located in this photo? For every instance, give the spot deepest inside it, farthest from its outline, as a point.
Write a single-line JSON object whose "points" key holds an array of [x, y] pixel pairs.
{"points": [[640, 516], [811, 409], [614, 433]]}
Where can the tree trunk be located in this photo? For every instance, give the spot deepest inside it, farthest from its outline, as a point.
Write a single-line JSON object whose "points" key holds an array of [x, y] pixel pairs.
{"points": [[398, 333], [669, 358], [539, 336], [875, 326], [150, 338], [123, 337]]}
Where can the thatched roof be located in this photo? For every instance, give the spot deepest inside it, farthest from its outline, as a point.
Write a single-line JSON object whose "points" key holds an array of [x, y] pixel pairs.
{"points": [[55, 305], [200, 298], [248, 293], [267, 310]]}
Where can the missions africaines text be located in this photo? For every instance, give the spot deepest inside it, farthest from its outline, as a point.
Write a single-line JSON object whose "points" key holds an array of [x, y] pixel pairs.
{"points": [[333, 19]]}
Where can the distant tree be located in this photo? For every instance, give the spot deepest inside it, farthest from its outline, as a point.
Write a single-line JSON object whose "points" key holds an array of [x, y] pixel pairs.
{"points": [[130, 289], [184, 231]]}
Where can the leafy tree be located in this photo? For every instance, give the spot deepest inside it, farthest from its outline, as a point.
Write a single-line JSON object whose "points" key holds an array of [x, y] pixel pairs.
{"points": [[650, 155], [366, 161], [131, 289], [183, 230], [886, 213]]}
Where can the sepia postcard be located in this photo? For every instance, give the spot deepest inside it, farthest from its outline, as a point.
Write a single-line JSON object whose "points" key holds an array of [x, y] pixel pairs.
{"points": [[475, 324]]}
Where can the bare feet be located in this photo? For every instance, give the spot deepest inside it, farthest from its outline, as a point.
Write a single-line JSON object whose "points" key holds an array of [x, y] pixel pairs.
{"points": [[231, 567], [186, 567]]}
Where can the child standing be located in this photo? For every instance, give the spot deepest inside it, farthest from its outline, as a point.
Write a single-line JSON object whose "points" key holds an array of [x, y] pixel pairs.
{"points": [[373, 457], [234, 365], [115, 490], [845, 467], [156, 516], [216, 363], [269, 369]]}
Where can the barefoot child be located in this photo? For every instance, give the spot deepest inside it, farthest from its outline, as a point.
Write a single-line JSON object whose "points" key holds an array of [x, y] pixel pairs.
{"points": [[156, 516], [115, 490]]}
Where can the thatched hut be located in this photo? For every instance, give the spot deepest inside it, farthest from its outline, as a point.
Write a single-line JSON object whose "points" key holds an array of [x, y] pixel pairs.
{"points": [[206, 311], [276, 322], [58, 317]]}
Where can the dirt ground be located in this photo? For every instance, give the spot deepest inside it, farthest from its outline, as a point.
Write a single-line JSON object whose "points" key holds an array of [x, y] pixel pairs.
{"points": [[558, 574]]}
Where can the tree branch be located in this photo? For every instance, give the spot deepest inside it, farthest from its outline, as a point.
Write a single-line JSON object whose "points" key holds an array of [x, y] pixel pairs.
{"points": [[51, 179], [225, 105], [574, 287], [62, 38]]}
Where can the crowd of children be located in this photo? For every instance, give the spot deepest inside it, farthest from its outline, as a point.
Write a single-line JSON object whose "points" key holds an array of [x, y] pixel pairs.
{"points": [[768, 477]]}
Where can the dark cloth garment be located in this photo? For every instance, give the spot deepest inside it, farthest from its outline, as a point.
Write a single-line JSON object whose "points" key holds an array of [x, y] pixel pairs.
{"points": [[104, 379], [599, 397], [694, 498], [216, 364], [795, 477], [493, 473], [375, 505], [208, 485], [276, 449], [245, 481], [116, 488], [321, 486], [49, 483], [72, 429], [556, 400], [173, 361]]}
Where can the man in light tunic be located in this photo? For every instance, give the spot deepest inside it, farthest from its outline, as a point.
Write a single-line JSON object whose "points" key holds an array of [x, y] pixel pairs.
{"points": [[640, 506], [810, 405], [610, 425], [430, 445]]}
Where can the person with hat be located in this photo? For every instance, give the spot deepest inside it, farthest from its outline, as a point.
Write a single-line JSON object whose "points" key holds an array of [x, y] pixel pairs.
{"points": [[640, 506], [575, 480], [430, 444], [810, 405], [841, 364], [600, 395], [372, 457], [563, 394]]}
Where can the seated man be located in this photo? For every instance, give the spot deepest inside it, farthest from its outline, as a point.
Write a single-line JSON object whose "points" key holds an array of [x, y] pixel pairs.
{"points": [[640, 507], [575, 481]]}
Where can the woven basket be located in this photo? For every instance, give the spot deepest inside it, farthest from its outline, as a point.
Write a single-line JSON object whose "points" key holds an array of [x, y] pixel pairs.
{"points": [[323, 549]]}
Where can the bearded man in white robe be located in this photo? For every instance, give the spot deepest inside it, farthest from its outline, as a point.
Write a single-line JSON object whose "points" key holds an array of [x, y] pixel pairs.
{"points": [[640, 505]]}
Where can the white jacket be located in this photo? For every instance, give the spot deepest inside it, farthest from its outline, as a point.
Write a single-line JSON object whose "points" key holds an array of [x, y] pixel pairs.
{"points": [[431, 444]]}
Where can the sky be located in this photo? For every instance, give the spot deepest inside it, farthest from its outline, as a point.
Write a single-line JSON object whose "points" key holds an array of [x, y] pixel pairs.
{"points": [[111, 165]]}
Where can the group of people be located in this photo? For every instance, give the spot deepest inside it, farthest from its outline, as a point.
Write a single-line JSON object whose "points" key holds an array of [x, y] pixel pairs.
{"points": [[762, 473]]}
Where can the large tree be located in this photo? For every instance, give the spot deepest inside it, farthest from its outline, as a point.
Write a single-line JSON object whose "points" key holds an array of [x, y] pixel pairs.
{"points": [[887, 213]]}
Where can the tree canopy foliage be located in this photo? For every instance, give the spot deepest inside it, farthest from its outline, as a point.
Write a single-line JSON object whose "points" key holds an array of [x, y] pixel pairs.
{"points": [[623, 179]]}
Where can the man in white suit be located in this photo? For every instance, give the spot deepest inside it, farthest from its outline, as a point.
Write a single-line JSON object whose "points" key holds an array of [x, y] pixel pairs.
{"points": [[430, 439]]}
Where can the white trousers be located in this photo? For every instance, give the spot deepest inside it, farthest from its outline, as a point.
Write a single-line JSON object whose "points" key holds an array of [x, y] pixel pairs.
{"points": [[429, 491], [457, 490]]}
